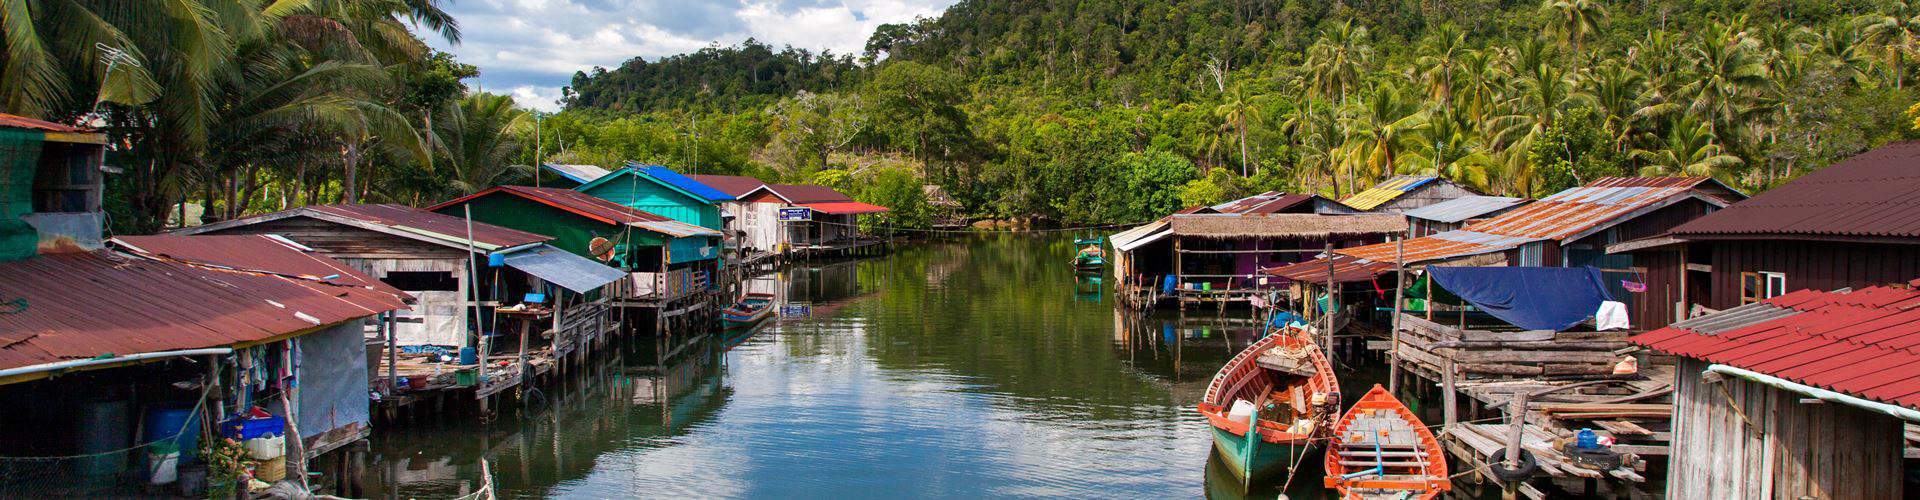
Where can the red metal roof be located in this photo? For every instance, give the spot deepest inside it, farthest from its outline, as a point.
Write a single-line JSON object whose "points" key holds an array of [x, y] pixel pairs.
{"points": [[1270, 202], [846, 208], [17, 121], [584, 204], [252, 252], [81, 305], [410, 217], [1865, 343], [734, 185], [1566, 215], [806, 193], [1869, 195]]}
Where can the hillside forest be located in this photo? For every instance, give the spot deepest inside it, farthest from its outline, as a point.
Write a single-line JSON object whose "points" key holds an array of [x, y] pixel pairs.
{"points": [[1067, 113]]}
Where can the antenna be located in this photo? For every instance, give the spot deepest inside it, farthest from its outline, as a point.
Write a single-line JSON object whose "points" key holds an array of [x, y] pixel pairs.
{"points": [[113, 56]]}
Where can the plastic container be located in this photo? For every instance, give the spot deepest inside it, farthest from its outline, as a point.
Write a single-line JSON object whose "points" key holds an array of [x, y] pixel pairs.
{"points": [[164, 422], [163, 463], [469, 356], [249, 428], [1586, 439], [266, 448], [465, 378]]}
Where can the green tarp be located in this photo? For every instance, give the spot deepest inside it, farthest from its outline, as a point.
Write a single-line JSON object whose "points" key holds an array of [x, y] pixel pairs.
{"points": [[20, 158]]}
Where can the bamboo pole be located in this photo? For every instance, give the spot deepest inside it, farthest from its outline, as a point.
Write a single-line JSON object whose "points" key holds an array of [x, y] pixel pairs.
{"points": [[1399, 298], [1332, 301], [473, 289]]}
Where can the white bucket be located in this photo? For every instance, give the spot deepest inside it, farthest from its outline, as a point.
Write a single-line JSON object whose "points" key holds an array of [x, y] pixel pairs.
{"points": [[266, 448], [165, 468]]}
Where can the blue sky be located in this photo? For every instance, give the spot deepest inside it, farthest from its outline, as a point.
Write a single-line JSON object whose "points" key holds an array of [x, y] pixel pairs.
{"points": [[531, 48]]}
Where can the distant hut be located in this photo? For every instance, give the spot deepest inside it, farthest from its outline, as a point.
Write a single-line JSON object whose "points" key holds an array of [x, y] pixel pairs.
{"points": [[569, 176], [1458, 212], [1800, 395], [809, 218], [1852, 224], [946, 210], [1401, 193], [1216, 257], [1275, 202]]}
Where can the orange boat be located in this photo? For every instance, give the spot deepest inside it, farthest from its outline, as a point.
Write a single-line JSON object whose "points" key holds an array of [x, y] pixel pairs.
{"points": [[1283, 382], [1381, 450]]}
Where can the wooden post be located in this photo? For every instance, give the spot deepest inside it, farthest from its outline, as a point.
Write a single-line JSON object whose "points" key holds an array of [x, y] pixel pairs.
{"points": [[1516, 429], [1448, 395], [1680, 312], [1429, 289], [473, 286], [1333, 301], [386, 330], [1399, 298]]}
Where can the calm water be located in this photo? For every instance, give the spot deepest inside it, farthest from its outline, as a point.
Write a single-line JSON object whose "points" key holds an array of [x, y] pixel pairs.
{"points": [[979, 367]]}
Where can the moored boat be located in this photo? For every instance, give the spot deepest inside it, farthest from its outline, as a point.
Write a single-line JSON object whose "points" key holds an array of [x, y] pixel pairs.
{"points": [[748, 311], [1380, 449], [1285, 386], [1091, 256]]}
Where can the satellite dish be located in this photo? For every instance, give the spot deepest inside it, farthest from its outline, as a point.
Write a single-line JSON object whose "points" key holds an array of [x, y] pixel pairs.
{"points": [[601, 247]]}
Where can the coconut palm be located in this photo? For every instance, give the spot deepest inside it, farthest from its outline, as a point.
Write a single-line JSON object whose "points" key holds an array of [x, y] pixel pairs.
{"points": [[476, 138], [1439, 57], [1383, 126], [1236, 111], [1687, 149], [1335, 60], [1893, 31], [1572, 21]]}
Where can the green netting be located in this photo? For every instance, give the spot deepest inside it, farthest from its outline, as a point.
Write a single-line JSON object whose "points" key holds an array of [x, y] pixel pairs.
{"points": [[19, 158]]}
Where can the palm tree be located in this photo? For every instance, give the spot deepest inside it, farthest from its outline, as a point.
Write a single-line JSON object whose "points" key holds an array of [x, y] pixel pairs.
{"points": [[1572, 21], [1615, 91], [1236, 111], [1452, 150], [1439, 56], [1334, 61], [1379, 130], [1729, 73], [1687, 149], [477, 138], [1893, 31]]}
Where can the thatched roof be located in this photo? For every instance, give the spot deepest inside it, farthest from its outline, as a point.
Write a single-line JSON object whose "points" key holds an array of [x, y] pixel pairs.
{"points": [[1228, 226]]}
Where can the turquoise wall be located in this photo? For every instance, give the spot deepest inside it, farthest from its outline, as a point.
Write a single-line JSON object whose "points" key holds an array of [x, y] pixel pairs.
{"points": [[645, 193]]}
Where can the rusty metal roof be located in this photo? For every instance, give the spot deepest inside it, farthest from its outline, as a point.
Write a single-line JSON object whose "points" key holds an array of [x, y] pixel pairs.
{"points": [[252, 252], [1269, 202], [592, 207], [1864, 343], [59, 307], [1871, 195], [1345, 269], [1567, 215], [17, 121], [399, 220]]}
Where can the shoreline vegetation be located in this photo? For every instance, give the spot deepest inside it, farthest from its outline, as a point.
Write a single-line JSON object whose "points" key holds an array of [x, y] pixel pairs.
{"points": [[1071, 114]]}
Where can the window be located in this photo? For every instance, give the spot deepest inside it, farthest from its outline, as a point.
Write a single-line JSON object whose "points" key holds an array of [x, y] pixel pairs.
{"points": [[1755, 287], [423, 281]]}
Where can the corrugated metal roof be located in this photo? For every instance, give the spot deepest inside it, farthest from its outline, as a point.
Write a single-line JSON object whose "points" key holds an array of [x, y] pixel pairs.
{"points": [[1130, 239], [1386, 191], [577, 173], [1285, 225], [734, 185], [1463, 208], [398, 220], [81, 305], [846, 208], [559, 267], [1864, 343], [21, 122], [1345, 270], [1869, 195], [252, 252], [1566, 215], [1263, 203]]}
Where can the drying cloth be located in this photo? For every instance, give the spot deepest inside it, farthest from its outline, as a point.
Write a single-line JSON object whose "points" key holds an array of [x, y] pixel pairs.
{"points": [[1534, 298], [1611, 316]]}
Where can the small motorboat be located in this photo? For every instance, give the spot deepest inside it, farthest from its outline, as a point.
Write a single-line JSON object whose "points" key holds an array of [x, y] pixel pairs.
{"points": [[1285, 384], [752, 309], [1091, 256], [1380, 450]]}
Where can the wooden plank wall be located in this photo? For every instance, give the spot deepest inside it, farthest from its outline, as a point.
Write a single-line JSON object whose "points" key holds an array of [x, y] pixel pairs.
{"points": [[1774, 446], [1810, 265]]}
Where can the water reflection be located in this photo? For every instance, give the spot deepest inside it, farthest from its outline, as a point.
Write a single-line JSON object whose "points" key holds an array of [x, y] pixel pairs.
{"points": [[980, 367]]}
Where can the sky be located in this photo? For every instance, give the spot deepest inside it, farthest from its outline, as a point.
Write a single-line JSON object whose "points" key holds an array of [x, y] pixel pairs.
{"points": [[531, 48]]}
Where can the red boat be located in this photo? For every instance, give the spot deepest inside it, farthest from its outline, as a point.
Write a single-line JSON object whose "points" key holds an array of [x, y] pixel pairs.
{"points": [[1285, 383], [1381, 450]]}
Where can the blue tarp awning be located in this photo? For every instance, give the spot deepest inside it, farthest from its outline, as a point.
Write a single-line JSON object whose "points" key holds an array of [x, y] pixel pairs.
{"points": [[559, 267], [1534, 298]]}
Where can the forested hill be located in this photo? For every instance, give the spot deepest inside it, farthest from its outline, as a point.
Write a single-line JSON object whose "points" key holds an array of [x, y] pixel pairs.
{"points": [[744, 76], [1115, 111]]}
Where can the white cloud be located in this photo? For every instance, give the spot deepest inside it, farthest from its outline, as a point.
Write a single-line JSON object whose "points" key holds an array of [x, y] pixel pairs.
{"points": [[533, 47]]}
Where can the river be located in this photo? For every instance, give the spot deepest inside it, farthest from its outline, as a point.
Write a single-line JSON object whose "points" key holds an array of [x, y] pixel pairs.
{"points": [[967, 368]]}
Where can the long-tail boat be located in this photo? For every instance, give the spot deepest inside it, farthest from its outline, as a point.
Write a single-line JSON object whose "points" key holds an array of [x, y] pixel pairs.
{"points": [[1090, 257], [1380, 450], [748, 311], [1284, 388]]}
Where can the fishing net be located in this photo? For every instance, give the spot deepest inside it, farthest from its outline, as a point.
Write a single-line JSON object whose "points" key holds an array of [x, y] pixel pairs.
{"points": [[144, 469]]}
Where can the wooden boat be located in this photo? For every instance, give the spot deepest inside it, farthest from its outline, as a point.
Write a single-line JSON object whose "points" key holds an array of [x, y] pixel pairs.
{"points": [[748, 311], [1091, 256], [1284, 383], [1379, 449]]}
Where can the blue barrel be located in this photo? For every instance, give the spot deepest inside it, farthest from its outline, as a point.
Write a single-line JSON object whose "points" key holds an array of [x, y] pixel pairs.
{"points": [[469, 356], [165, 420]]}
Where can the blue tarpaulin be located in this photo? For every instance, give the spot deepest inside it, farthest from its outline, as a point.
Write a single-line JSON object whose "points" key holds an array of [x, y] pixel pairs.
{"points": [[1534, 298]]}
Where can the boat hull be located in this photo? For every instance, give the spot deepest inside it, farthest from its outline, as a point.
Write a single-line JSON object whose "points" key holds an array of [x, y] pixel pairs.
{"points": [[1269, 459]]}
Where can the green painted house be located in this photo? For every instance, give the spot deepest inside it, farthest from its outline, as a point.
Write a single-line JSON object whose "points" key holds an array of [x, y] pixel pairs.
{"points": [[643, 242], [662, 191]]}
